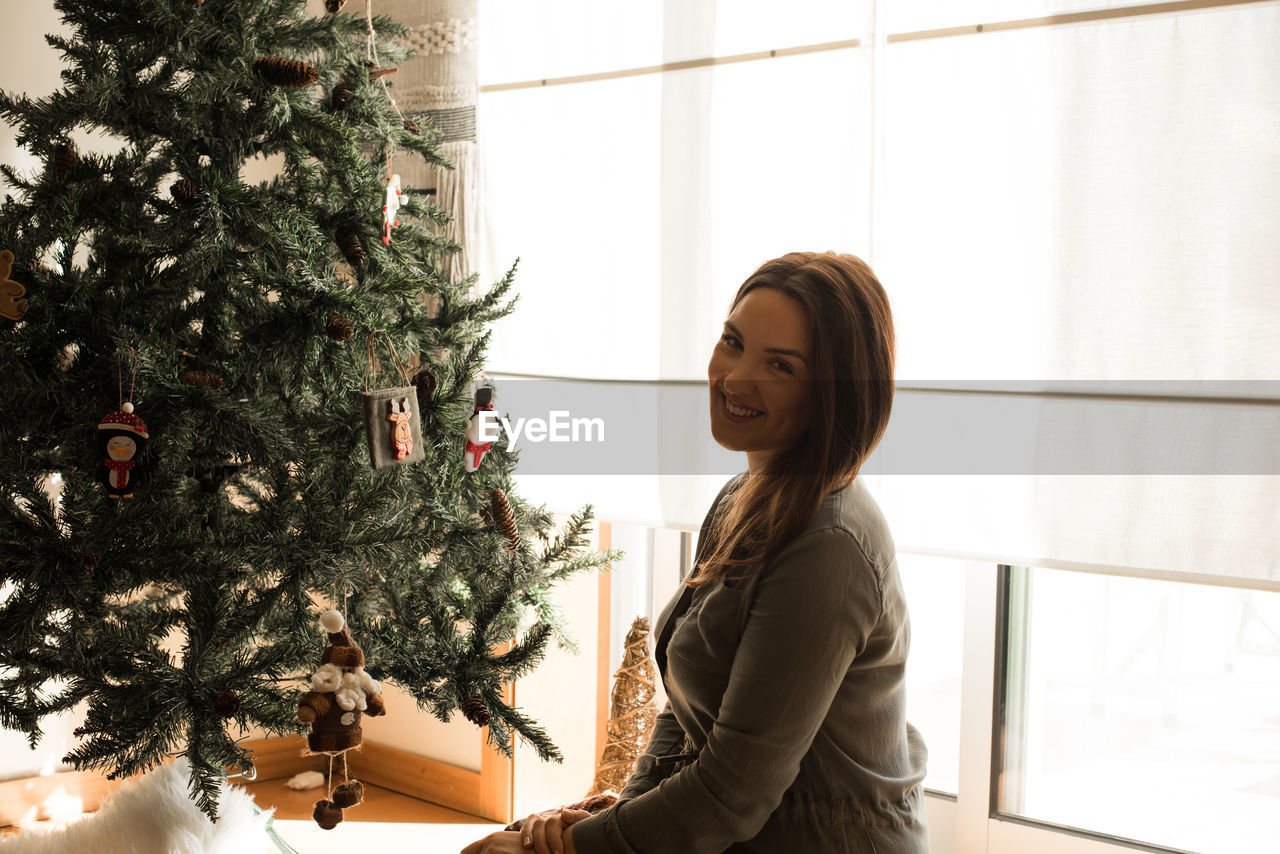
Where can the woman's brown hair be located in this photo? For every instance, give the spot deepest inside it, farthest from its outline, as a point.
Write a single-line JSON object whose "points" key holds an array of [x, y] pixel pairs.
{"points": [[851, 329]]}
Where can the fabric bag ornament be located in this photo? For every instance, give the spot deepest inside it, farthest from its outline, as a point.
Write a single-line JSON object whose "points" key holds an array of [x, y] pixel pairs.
{"points": [[391, 416]]}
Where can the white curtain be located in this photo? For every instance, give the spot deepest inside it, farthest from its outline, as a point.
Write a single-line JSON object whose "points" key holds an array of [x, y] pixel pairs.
{"points": [[1075, 221]]}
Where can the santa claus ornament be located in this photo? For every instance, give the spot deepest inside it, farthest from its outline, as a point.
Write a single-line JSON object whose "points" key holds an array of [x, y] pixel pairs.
{"points": [[391, 416], [341, 691], [122, 440], [475, 449]]}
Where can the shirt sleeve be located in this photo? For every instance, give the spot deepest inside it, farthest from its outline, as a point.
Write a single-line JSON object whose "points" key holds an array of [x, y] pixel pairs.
{"points": [[814, 610], [667, 738]]}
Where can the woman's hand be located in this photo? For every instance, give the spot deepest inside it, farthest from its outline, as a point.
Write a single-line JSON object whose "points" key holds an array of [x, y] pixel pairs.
{"points": [[502, 842], [544, 832]]}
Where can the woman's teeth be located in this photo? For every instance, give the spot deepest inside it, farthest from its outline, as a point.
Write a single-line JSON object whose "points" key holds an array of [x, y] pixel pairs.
{"points": [[738, 410]]}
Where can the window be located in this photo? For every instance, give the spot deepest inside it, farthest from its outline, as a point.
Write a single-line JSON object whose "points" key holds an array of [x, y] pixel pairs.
{"points": [[1142, 709]]}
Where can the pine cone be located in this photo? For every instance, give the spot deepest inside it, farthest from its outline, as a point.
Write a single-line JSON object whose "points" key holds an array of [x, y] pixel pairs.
{"points": [[90, 563], [334, 6], [425, 382], [505, 519], [184, 192], [226, 704], [412, 126], [64, 159], [352, 248], [289, 73], [342, 93], [204, 378], [339, 328], [474, 710]]}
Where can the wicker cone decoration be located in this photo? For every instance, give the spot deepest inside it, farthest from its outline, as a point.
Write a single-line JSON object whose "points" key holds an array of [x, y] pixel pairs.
{"points": [[632, 713], [500, 511]]}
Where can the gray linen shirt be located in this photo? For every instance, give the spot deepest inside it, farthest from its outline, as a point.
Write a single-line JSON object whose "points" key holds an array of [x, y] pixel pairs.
{"points": [[785, 726]]}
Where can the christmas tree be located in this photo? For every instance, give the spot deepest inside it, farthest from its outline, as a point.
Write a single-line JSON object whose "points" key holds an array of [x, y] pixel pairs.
{"points": [[186, 446]]}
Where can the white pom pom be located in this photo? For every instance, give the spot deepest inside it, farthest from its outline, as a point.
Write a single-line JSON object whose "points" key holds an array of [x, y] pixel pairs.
{"points": [[331, 621], [127, 408]]}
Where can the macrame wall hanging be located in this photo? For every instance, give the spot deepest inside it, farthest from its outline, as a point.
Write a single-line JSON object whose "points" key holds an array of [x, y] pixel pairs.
{"points": [[440, 87]]}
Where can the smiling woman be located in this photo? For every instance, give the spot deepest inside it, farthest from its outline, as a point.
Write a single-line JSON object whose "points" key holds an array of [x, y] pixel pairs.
{"points": [[785, 727]]}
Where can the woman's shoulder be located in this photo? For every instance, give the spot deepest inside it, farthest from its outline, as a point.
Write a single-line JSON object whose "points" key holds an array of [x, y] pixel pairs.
{"points": [[854, 512]]}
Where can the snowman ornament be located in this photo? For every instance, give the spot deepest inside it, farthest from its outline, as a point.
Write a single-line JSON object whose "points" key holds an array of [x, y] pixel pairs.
{"points": [[122, 440]]}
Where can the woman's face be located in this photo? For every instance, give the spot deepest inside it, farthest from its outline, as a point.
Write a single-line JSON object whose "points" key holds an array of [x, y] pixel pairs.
{"points": [[762, 363]]}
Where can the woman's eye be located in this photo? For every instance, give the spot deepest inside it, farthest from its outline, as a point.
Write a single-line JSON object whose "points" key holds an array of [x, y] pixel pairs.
{"points": [[728, 339], [783, 366]]}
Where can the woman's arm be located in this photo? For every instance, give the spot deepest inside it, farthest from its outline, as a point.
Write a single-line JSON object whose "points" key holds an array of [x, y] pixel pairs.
{"points": [[667, 737], [813, 612]]}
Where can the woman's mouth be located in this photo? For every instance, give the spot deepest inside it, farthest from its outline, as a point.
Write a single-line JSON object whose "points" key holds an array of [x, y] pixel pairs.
{"points": [[738, 413]]}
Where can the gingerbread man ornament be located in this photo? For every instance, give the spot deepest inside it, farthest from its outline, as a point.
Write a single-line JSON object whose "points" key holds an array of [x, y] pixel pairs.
{"points": [[12, 305]]}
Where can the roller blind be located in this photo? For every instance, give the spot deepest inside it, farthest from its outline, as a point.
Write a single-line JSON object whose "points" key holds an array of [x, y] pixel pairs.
{"points": [[1073, 211]]}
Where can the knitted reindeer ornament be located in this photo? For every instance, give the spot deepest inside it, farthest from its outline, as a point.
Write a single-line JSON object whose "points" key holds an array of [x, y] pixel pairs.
{"points": [[341, 691]]}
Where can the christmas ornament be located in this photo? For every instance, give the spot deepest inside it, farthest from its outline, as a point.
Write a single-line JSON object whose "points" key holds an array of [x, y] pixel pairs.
{"points": [[633, 712], [342, 93], [334, 6], [390, 206], [349, 794], [341, 691], [12, 305], [287, 73], [505, 519], [338, 328], [122, 440], [391, 415], [64, 159], [351, 247], [475, 449], [327, 814], [474, 710], [184, 192]]}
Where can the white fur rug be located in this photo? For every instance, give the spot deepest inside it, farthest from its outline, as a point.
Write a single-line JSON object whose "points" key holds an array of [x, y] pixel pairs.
{"points": [[155, 815]]}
